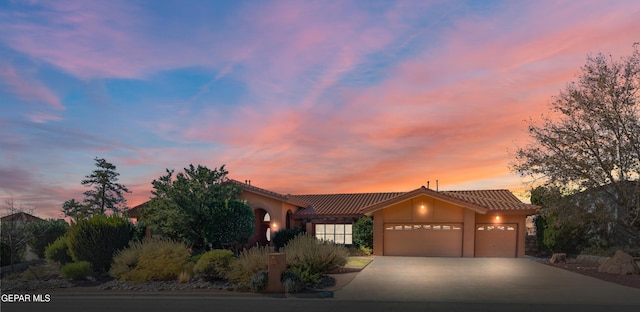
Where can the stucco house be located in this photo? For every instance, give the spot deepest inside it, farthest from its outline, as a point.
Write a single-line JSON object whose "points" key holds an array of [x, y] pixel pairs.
{"points": [[421, 222]]}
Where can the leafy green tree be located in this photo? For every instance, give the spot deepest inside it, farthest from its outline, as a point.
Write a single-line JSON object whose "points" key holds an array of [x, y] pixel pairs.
{"points": [[363, 232], [77, 211], [199, 207], [591, 139], [105, 192], [565, 225]]}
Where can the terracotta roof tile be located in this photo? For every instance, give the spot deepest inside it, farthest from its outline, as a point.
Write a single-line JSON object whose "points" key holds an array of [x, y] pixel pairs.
{"points": [[355, 204], [495, 200], [341, 204]]}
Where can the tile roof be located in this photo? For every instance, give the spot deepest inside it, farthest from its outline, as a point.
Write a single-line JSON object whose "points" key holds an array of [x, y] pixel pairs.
{"points": [[482, 201], [494, 200], [341, 204]]}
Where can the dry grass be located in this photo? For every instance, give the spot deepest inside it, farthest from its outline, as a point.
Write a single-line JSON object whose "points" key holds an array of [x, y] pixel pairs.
{"points": [[358, 262]]}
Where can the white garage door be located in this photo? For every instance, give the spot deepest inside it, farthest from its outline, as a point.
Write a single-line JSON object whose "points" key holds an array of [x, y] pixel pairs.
{"points": [[496, 240], [423, 239]]}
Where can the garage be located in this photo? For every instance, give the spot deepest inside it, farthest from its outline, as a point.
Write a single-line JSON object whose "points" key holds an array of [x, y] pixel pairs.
{"points": [[423, 239], [496, 240]]}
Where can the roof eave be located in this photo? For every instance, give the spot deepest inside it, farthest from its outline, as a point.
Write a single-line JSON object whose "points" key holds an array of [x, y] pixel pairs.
{"points": [[423, 191]]}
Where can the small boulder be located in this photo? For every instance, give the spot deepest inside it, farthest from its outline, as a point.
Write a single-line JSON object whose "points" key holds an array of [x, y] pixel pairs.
{"points": [[621, 263], [558, 257]]}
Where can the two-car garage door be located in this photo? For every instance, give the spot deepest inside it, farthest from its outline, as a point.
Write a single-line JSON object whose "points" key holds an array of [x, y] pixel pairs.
{"points": [[445, 239], [423, 239]]}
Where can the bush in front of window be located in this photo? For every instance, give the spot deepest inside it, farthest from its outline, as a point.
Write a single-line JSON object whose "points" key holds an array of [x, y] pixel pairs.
{"points": [[282, 237], [363, 232]]}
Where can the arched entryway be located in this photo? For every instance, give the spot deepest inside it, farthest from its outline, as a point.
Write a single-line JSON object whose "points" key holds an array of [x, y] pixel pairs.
{"points": [[262, 235]]}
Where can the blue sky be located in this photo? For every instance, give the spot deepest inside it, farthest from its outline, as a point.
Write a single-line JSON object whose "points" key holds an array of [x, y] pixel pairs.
{"points": [[297, 96]]}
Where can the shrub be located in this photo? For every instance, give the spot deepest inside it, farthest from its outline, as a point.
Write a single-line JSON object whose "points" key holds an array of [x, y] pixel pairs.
{"points": [[184, 277], [214, 264], [76, 270], [306, 275], [58, 251], [292, 282], [309, 257], [249, 262], [97, 239], [363, 232], [152, 260], [126, 260], [260, 280], [359, 251], [5, 254], [44, 233], [282, 237]]}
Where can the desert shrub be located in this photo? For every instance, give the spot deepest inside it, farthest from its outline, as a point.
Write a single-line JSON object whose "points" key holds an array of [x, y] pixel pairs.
{"points": [[76, 270], [306, 275], [249, 262], [58, 251], [282, 237], [44, 233], [309, 257], [152, 260], [359, 251], [126, 260], [97, 239], [260, 280], [184, 277], [214, 265], [363, 232], [292, 282]]}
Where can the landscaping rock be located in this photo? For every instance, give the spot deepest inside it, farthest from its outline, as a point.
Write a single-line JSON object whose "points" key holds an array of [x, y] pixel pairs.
{"points": [[621, 263], [558, 257]]}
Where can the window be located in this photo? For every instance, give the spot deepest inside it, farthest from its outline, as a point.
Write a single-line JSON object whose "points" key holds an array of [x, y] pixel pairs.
{"points": [[338, 233]]}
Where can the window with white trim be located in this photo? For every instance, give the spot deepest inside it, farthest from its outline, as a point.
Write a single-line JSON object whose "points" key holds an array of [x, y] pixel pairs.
{"points": [[340, 233]]}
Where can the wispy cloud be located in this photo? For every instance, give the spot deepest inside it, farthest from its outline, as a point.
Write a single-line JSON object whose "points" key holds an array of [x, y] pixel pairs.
{"points": [[327, 96]]}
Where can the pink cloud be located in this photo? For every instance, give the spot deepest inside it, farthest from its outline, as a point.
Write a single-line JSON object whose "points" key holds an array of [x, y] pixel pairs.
{"points": [[33, 91]]}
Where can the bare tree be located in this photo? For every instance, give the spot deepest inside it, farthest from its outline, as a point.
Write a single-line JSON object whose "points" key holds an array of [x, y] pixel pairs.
{"points": [[591, 138]]}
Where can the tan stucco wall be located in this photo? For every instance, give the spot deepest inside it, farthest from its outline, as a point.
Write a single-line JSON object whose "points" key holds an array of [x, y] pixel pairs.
{"points": [[423, 208], [277, 210]]}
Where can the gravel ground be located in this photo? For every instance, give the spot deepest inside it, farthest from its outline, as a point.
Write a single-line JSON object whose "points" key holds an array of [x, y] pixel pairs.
{"points": [[107, 283]]}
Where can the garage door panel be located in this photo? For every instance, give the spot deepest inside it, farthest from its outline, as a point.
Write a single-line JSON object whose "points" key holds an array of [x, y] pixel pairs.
{"points": [[435, 240], [496, 240]]}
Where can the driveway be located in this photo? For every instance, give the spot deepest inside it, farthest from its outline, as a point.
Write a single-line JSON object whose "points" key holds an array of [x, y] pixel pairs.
{"points": [[480, 280]]}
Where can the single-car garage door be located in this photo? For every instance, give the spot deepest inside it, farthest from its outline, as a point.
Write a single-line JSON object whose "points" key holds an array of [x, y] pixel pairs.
{"points": [[423, 239], [496, 240]]}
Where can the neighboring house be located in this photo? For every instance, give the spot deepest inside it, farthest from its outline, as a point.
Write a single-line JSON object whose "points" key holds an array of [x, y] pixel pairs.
{"points": [[422, 222], [619, 200], [20, 219]]}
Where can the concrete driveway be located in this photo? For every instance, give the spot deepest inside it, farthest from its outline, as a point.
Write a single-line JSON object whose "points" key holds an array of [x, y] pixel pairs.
{"points": [[480, 280]]}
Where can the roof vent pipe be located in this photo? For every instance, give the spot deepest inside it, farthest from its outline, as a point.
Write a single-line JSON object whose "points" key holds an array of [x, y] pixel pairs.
{"points": [[436, 185], [428, 184]]}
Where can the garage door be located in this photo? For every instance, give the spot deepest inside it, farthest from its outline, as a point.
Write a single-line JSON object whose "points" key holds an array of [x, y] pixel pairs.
{"points": [[423, 239], [496, 240]]}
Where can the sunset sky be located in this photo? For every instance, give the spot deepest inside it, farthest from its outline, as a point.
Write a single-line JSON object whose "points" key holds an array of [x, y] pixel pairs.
{"points": [[297, 96]]}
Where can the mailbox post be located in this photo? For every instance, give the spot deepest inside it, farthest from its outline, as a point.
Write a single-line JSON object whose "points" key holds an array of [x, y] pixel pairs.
{"points": [[277, 266]]}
